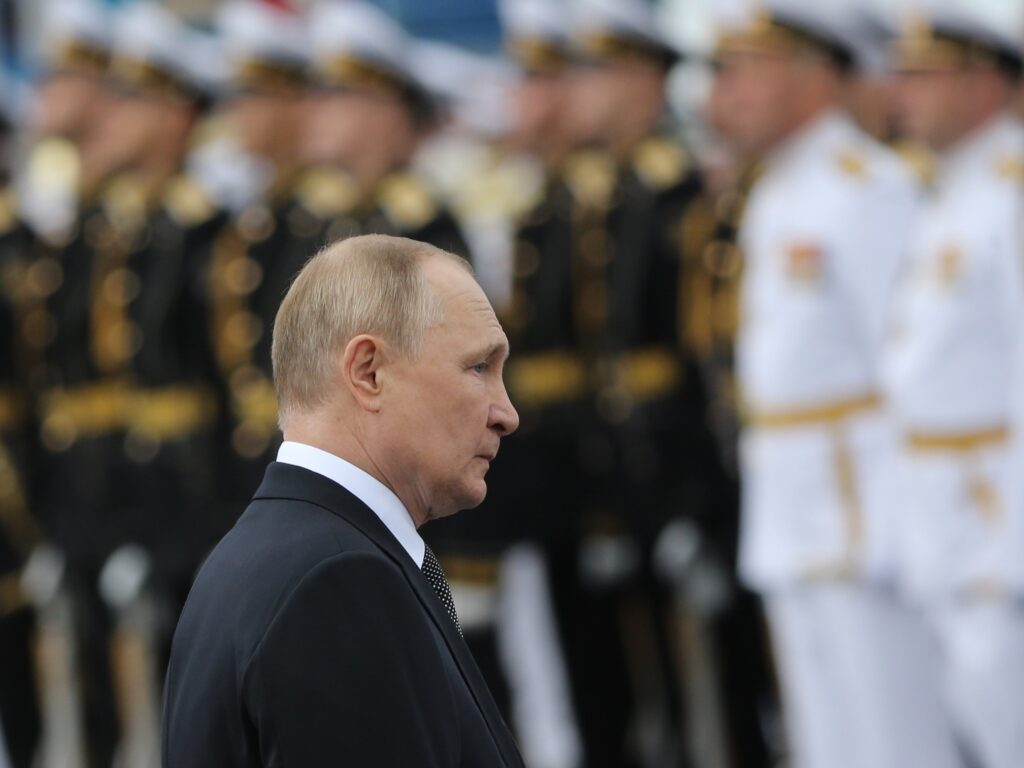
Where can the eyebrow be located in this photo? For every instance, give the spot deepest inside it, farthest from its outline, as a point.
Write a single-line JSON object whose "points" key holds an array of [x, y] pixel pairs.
{"points": [[493, 349]]}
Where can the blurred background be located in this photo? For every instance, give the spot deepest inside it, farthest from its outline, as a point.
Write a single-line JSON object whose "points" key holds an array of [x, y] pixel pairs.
{"points": [[761, 267]]}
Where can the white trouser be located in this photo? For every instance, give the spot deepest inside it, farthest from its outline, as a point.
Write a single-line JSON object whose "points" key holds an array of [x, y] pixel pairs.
{"points": [[860, 679], [531, 655], [983, 651]]}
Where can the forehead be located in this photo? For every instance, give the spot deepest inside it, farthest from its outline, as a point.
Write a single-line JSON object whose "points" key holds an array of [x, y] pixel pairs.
{"points": [[463, 302]]}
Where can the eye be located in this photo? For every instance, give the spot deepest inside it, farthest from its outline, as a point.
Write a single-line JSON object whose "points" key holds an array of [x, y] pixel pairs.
{"points": [[481, 367]]}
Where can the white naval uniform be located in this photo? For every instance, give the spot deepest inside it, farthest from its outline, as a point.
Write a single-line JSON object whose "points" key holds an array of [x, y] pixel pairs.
{"points": [[823, 238], [953, 376]]}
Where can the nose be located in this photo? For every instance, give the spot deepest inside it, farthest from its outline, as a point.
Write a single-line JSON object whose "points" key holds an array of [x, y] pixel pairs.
{"points": [[504, 419]]}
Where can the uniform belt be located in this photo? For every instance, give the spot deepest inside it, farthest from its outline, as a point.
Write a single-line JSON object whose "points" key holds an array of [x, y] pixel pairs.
{"points": [[542, 379], [829, 413], [13, 409], [957, 442], [106, 408], [168, 413], [647, 374], [90, 410]]}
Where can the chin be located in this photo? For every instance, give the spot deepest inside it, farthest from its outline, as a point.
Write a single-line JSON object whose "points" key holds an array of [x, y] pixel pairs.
{"points": [[473, 496]]}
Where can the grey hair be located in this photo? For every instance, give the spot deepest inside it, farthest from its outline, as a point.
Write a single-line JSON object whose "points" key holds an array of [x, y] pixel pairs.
{"points": [[371, 284]]}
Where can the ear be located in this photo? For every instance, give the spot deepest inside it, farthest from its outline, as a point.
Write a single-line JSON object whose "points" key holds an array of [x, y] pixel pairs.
{"points": [[360, 370]]}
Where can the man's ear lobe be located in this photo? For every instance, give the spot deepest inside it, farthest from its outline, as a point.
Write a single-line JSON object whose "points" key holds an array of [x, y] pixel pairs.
{"points": [[360, 370]]}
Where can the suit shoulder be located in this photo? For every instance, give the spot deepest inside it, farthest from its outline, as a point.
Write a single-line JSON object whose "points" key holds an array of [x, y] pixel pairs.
{"points": [[353, 592], [258, 564]]}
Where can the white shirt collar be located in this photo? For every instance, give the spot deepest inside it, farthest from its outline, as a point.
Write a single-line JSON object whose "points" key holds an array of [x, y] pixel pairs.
{"points": [[368, 489]]}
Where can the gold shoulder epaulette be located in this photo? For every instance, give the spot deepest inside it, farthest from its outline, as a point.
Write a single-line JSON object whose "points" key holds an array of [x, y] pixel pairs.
{"points": [[406, 201], [506, 189], [188, 203], [660, 163], [591, 177], [1010, 167], [852, 163], [326, 193]]}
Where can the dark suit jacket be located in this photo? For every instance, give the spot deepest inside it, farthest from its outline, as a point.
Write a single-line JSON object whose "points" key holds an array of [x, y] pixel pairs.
{"points": [[310, 638]]}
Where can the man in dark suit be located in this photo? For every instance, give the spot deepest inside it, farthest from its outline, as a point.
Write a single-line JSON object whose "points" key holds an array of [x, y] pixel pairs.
{"points": [[320, 631]]}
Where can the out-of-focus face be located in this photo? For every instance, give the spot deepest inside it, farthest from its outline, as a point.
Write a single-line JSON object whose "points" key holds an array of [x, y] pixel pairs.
{"points": [[263, 121], [614, 100], [447, 410], [540, 106], [365, 132], [872, 102], [137, 129], [67, 105], [930, 105], [752, 100]]}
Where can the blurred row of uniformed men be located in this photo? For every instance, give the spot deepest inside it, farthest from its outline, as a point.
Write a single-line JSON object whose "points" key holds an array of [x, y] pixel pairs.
{"points": [[766, 504]]}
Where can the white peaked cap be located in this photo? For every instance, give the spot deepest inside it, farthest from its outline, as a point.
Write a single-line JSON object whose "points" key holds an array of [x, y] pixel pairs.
{"points": [[250, 29], [543, 19], [76, 20], [149, 33], [358, 30]]}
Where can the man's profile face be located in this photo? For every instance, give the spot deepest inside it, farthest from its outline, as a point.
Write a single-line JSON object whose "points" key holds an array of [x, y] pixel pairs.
{"points": [[613, 95], [448, 408], [751, 100]]}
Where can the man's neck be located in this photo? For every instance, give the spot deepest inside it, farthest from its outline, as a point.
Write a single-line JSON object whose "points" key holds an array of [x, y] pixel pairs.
{"points": [[348, 445]]}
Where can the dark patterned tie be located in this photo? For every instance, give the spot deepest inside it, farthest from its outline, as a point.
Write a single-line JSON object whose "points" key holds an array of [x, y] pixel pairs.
{"points": [[432, 570]]}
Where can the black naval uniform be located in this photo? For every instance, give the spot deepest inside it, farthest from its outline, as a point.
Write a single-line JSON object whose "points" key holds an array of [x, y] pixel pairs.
{"points": [[19, 532], [83, 404], [644, 451], [160, 285], [127, 412], [710, 305]]}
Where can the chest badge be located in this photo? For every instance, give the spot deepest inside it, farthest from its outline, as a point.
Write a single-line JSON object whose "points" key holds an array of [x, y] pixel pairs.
{"points": [[805, 263]]}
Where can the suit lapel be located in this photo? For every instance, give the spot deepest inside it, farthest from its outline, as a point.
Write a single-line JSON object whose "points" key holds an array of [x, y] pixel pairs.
{"points": [[286, 481]]}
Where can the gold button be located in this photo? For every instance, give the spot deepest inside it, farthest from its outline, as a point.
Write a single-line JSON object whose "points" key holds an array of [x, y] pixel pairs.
{"points": [[249, 441], [243, 276], [722, 259], [58, 433], [121, 287], [256, 223], [244, 329], [45, 277], [119, 341], [244, 377]]}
